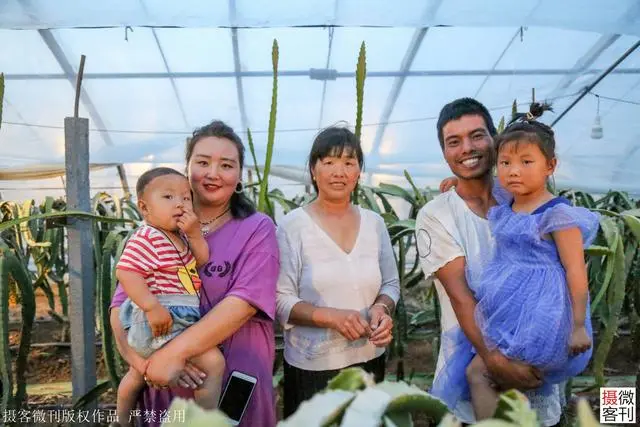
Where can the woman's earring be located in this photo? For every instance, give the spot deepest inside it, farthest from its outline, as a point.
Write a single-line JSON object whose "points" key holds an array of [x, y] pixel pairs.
{"points": [[239, 188]]}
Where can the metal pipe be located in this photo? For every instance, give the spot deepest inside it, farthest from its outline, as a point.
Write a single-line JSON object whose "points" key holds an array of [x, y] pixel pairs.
{"points": [[596, 81], [305, 73]]}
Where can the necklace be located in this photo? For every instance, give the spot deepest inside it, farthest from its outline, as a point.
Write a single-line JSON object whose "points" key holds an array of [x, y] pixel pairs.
{"points": [[205, 226]]}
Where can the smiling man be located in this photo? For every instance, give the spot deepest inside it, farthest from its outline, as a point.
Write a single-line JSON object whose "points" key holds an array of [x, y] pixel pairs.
{"points": [[454, 243]]}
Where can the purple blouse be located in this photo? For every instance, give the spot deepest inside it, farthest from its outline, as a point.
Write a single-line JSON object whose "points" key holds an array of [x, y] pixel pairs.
{"points": [[243, 262]]}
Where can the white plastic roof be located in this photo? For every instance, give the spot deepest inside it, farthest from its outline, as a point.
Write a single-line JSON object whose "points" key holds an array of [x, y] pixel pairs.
{"points": [[181, 64]]}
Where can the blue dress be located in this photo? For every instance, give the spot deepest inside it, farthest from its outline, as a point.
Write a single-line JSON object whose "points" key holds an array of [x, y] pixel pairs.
{"points": [[523, 300]]}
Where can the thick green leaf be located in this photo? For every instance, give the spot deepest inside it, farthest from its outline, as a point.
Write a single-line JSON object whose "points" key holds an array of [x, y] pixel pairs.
{"points": [[616, 296], [499, 423], [606, 213], [450, 420], [67, 214], [501, 125], [585, 415], [92, 395], [6, 374], [389, 218], [395, 190], [1, 96], [351, 379], [103, 291], [286, 204], [398, 419], [385, 203], [513, 406], [10, 266], [634, 212], [611, 262], [404, 224], [595, 250], [368, 199], [420, 199], [271, 133], [423, 317], [409, 398], [412, 279], [253, 154], [184, 412], [401, 234], [633, 222], [610, 230], [367, 409], [361, 75], [323, 409]]}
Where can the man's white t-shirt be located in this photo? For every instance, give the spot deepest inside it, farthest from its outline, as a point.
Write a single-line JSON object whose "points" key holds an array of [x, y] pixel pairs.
{"points": [[446, 228]]}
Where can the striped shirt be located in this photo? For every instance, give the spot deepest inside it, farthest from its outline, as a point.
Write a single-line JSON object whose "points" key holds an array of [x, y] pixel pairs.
{"points": [[150, 253]]}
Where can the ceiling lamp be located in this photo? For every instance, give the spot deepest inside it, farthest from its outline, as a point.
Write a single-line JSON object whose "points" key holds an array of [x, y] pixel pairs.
{"points": [[596, 130]]}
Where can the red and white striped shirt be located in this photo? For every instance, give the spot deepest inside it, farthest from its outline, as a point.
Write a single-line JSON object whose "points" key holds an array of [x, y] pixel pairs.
{"points": [[150, 253]]}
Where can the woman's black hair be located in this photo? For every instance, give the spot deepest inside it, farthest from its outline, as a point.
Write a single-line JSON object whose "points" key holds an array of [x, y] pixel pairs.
{"points": [[241, 206], [332, 141], [525, 127]]}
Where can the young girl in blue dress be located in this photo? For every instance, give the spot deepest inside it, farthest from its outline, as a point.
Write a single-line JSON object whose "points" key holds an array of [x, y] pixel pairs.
{"points": [[533, 297]]}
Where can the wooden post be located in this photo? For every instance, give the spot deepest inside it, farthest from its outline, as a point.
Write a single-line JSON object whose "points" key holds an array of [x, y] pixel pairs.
{"points": [[82, 280], [80, 254]]}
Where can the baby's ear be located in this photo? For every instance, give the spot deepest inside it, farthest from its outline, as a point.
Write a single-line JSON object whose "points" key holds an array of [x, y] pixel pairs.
{"points": [[142, 206]]}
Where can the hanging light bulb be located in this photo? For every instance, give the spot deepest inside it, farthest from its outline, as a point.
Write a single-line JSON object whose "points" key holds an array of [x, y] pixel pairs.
{"points": [[596, 130]]}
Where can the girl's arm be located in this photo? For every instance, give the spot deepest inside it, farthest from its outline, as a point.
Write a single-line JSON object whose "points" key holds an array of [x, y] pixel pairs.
{"points": [[569, 244]]}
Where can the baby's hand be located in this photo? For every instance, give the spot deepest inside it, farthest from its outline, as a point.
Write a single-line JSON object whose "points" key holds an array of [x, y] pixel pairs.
{"points": [[160, 320], [580, 341], [189, 223]]}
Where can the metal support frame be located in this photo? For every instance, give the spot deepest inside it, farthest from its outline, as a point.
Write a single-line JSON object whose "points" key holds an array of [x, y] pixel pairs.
{"points": [[495, 65], [21, 118], [69, 74], [237, 67], [588, 88], [631, 150], [331, 30], [394, 94], [306, 73], [166, 67], [324, 83], [632, 14], [519, 32], [582, 65]]}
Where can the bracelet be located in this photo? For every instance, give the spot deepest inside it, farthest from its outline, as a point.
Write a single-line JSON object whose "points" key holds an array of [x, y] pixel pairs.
{"points": [[386, 309]]}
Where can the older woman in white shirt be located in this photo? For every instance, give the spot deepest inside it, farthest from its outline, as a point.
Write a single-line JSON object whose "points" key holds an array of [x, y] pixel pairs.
{"points": [[338, 282]]}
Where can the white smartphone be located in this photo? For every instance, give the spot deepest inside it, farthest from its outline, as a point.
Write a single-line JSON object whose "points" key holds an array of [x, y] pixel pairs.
{"points": [[236, 396]]}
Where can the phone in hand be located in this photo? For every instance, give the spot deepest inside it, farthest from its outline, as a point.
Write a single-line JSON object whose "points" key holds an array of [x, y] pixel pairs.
{"points": [[236, 396]]}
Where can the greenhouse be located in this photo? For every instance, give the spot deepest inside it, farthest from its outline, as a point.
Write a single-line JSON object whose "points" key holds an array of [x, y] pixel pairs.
{"points": [[95, 94]]}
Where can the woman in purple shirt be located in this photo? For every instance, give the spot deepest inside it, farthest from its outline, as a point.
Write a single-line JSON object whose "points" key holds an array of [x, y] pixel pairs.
{"points": [[237, 297]]}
